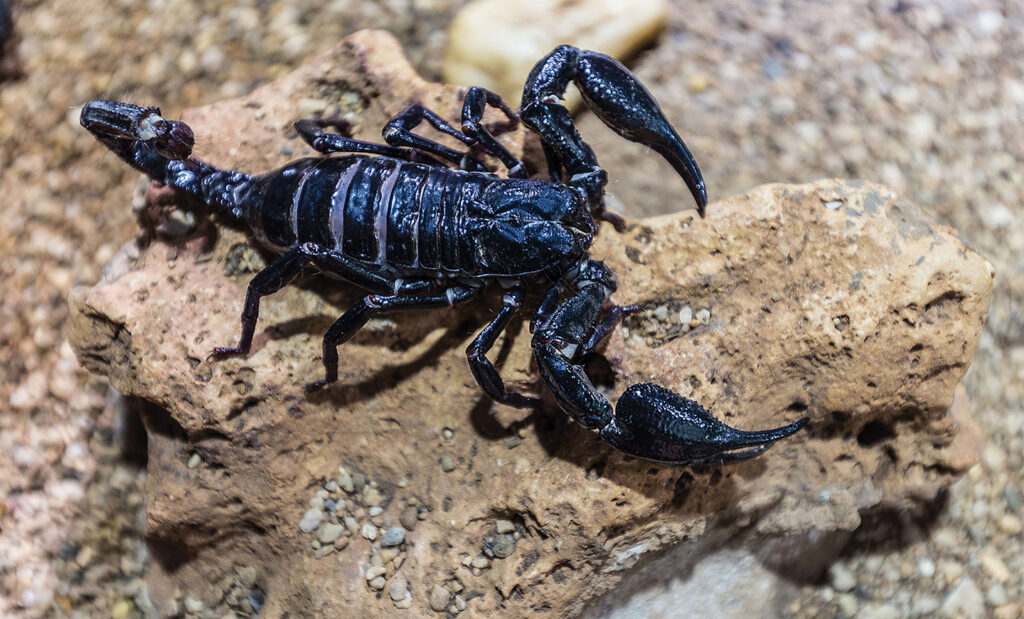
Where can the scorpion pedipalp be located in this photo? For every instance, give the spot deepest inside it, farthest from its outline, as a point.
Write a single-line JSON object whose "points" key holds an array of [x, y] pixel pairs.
{"points": [[648, 421], [617, 98], [656, 424]]}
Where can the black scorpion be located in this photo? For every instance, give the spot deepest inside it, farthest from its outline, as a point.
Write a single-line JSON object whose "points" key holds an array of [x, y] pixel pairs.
{"points": [[420, 225]]}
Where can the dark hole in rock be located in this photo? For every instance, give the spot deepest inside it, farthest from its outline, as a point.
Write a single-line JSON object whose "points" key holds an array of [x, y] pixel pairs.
{"points": [[875, 432]]}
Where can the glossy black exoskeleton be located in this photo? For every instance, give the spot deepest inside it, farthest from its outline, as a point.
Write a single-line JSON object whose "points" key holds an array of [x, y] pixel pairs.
{"points": [[399, 222]]}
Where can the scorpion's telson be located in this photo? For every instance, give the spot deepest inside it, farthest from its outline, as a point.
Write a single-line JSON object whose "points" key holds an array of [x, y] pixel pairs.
{"points": [[413, 232]]}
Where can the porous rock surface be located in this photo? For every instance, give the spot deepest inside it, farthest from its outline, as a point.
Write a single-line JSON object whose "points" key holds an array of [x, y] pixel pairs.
{"points": [[837, 300]]}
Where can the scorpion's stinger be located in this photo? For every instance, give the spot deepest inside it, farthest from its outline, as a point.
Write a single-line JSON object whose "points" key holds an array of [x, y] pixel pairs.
{"points": [[654, 423], [618, 99]]}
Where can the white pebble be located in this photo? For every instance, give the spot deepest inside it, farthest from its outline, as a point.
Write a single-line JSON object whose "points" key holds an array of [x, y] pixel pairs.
{"points": [[842, 578], [311, 519], [369, 531]]}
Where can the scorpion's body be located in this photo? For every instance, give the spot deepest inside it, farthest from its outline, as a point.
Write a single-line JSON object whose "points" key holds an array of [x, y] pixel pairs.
{"points": [[415, 233], [410, 220]]}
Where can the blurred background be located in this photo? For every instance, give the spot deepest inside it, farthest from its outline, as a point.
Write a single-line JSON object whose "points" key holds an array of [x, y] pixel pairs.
{"points": [[925, 96]]}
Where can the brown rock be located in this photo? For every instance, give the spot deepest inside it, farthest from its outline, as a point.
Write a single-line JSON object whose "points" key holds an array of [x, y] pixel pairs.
{"points": [[495, 43], [837, 300]]}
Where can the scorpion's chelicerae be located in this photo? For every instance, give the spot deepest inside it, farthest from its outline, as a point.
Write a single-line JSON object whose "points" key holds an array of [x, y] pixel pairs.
{"points": [[418, 225]]}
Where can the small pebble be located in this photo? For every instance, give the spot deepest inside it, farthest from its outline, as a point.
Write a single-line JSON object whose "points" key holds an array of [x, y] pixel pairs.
{"points": [[447, 433], [311, 519], [393, 536], [847, 604], [924, 606], [375, 572], [686, 315], [842, 578], [925, 567], [345, 481], [369, 531], [341, 543], [405, 602], [447, 465], [121, 609], [331, 486], [323, 551], [503, 546], [1013, 497], [480, 562], [194, 461], [439, 598], [329, 532], [504, 526], [398, 589], [704, 316], [375, 511], [193, 605], [371, 497], [994, 566], [1010, 524], [408, 518], [996, 595], [1013, 610], [377, 583]]}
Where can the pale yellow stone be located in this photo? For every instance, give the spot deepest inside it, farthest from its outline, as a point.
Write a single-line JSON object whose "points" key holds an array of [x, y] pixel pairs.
{"points": [[495, 43]]}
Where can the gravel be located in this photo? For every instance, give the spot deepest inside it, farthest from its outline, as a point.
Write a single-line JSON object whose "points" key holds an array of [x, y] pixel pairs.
{"points": [[925, 96]]}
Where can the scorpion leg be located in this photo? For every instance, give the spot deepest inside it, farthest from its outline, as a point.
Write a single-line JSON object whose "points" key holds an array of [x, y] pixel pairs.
{"points": [[617, 98], [477, 99], [369, 306], [484, 371], [649, 421], [398, 132], [282, 272], [274, 277], [312, 131]]}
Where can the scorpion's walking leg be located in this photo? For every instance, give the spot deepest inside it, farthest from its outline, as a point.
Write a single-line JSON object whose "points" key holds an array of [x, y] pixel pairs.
{"points": [[649, 421], [312, 131], [370, 306], [398, 132], [282, 272], [477, 99], [618, 99], [484, 371], [276, 276]]}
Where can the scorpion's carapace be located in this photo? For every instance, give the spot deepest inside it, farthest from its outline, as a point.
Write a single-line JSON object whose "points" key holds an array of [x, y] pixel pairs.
{"points": [[398, 221]]}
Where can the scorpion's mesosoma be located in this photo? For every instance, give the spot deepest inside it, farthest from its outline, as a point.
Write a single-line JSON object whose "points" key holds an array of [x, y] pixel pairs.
{"points": [[419, 225]]}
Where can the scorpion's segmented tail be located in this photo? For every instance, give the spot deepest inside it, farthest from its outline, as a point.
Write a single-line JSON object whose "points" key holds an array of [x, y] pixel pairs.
{"points": [[161, 149]]}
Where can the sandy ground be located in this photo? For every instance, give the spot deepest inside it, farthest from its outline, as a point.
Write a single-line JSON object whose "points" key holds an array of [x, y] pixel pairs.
{"points": [[928, 97]]}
